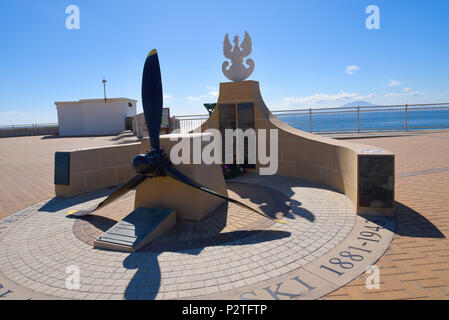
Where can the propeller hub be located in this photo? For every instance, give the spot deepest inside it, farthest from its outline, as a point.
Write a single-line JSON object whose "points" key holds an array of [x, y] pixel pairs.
{"points": [[151, 163]]}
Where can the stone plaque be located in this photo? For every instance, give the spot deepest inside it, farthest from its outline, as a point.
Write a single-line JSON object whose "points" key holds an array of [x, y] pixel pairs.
{"points": [[227, 121], [137, 229], [227, 116], [245, 120], [62, 168], [376, 181]]}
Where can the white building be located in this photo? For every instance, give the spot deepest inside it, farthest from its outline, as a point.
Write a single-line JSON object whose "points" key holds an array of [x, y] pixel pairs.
{"points": [[94, 116]]}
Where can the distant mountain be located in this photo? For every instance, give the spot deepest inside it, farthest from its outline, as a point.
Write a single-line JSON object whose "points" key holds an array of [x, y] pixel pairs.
{"points": [[358, 104]]}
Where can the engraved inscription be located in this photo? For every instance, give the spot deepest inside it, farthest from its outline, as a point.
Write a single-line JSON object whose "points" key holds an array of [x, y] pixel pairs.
{"points": [[363, 246], [376, 181], [4, 293], [62, 168], [227, 121], [245, 120], [289, 289]]}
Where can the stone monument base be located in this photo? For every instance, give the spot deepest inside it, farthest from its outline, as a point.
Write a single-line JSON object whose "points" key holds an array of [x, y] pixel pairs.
{"points": [[167, 193], [137, 229]]}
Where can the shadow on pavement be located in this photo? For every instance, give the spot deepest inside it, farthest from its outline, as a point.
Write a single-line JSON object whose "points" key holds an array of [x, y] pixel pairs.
{"points": [[285, 207], [147, 280], [410, 223], [61, 203]]}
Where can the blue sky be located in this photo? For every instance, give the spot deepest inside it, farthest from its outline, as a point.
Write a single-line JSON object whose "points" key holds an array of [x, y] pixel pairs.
{"points": [[302, 51]]}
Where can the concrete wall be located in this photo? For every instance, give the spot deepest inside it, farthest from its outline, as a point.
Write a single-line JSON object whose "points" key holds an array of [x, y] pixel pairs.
{"points": [[326, 161], [94, 117], [166, 193], [140, 126], [95, 168], [28, 131]]}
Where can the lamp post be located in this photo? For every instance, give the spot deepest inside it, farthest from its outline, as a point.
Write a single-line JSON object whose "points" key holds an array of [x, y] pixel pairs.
{"points": [[104, 88]]}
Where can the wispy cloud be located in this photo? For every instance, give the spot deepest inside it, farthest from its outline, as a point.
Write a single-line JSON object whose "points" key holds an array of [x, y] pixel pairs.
{"points": [[352, 69], [325, 100], [405, 92], [9, 112], [394, 83], [212, 93], [417, 93], [441, 95], [167, 96], [394, 94]]}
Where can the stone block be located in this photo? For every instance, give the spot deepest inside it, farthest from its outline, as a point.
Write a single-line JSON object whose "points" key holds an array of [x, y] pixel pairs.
{"points": [[167, 193], [137, 229]]}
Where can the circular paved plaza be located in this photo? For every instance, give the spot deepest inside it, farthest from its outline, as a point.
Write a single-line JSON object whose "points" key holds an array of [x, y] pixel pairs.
{"points": [[233, 253]]}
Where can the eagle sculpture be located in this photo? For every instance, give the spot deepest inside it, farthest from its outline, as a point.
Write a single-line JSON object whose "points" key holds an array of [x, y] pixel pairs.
{"points": [[237, 71]]}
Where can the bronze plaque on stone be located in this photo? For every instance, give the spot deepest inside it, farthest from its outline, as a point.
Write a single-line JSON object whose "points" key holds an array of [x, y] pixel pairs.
{"points": [[376, 181], [62, 168], [227, 116], [227, 121], [245, 120]]}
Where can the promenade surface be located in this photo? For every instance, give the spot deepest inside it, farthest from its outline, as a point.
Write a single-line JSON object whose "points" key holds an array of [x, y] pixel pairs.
{"points": [[27, 166], [416, 266]]}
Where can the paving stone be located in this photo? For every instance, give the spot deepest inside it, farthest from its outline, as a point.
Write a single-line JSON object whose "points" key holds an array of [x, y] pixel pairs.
{"points": [[421, 218], [55, 247]]}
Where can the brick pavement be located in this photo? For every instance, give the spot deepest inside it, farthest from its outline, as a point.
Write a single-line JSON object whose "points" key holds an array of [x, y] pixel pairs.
{"points": [[318, 220], [226, 220], [27, 164], [416, 266]]}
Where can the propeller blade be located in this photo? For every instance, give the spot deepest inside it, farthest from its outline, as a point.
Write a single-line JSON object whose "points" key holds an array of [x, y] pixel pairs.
{"points": [[124, 188], [152, 97], [177, 175]]}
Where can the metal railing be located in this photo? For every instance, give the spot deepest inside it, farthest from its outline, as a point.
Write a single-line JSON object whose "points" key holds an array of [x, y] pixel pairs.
{"points": [[28, 129], [31, 125], [352, 119], [189, 122]]}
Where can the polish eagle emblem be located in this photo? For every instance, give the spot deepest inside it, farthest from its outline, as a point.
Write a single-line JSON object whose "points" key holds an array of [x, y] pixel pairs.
{"points": [[237, 71]]}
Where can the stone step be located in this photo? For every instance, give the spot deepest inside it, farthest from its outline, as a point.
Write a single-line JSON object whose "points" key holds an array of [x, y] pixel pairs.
{"points": [[137, 229]]}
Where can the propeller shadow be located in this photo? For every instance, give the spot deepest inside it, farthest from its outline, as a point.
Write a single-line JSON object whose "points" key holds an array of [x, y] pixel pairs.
{"points": [[146, 282], [60, 203], [188, 238], [285, 207]]}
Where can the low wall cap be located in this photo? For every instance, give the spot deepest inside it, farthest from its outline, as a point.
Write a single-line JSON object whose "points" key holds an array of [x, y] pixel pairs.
{"points": [[81, 101]]}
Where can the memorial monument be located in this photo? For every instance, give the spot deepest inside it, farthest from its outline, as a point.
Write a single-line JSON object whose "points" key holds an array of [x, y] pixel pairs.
{"points": [[191, 191], [365, 175], [197, 236], [161, 185], [237, 71]]}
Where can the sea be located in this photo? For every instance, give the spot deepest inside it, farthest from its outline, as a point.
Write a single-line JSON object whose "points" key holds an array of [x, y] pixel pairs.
{"points": [[373, 119]]}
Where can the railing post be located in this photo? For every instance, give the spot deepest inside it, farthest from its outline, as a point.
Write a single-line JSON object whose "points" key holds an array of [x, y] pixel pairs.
{"points": [[175, 127], [358, 119], [310, 119], [406, 111]]}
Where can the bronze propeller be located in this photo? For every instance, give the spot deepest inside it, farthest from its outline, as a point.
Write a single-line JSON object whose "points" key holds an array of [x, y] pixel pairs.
{"points": [[155, 163]]}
